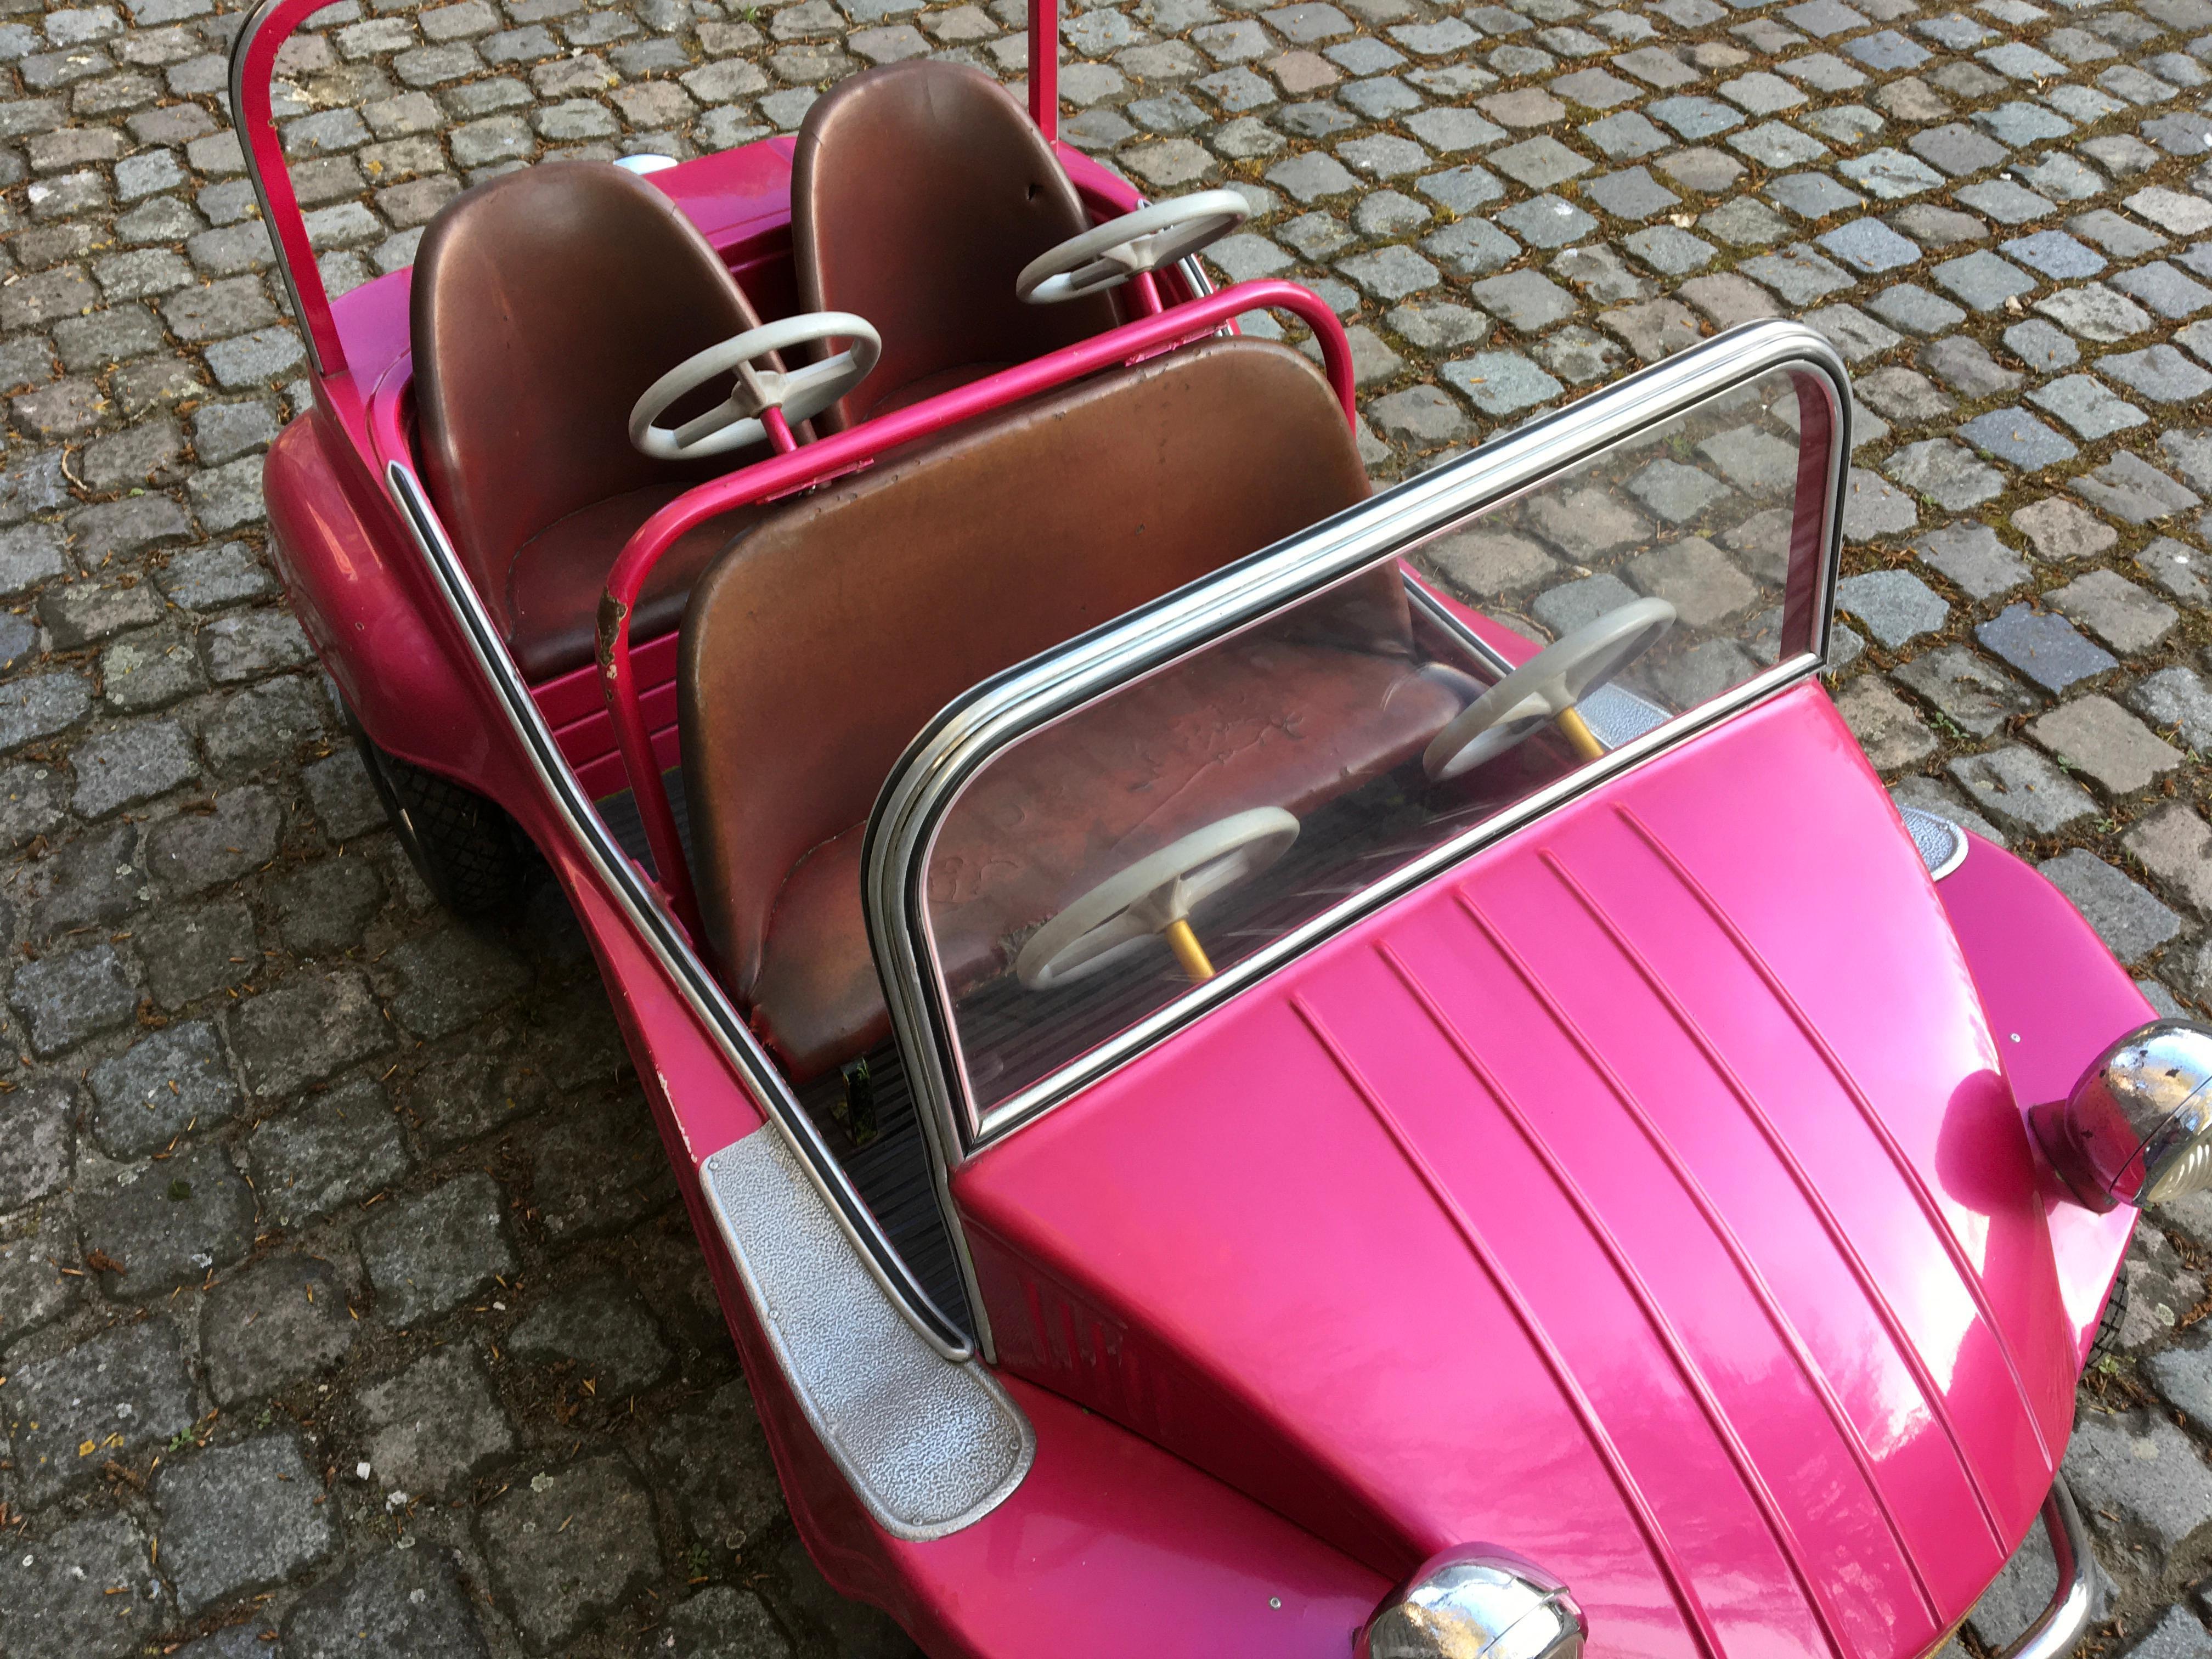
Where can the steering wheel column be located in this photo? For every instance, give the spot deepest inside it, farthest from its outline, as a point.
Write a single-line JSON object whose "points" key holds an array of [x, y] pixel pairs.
{"points": [[1110, 254], [1546, 688], [1153, 898], [762, 402], [1576, 730]]}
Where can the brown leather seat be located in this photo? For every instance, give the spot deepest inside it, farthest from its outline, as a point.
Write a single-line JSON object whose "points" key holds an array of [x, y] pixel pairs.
{"points": [[918, 192], [544, 303], [818, 645]]}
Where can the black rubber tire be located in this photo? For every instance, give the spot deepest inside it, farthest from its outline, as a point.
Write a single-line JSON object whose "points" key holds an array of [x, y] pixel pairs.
{"points": [[2105, 1345], [465, 848]]}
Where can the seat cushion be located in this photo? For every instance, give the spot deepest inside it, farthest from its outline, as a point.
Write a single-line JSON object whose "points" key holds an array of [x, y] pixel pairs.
{"points": [[820, 643], [554, 585], [1264, 722], [918, 192]]}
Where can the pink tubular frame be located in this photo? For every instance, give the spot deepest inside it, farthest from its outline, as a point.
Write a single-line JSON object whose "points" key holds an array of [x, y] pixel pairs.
{"points": [[1044, 68], [791, 467], [271, 24], [795, 470]]}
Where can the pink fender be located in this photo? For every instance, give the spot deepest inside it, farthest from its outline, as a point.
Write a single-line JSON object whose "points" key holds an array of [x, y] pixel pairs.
{"points": [[2055, 999], [1645, 1194]]}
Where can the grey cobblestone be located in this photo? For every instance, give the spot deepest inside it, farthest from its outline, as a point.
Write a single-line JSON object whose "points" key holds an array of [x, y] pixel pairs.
{"points": [[558, 1577], [169, 1222], [282, 1318], [434, 1426], [124, 1389], [89, 1592], [240, 1517], [160, 1088], [428, 1254]]}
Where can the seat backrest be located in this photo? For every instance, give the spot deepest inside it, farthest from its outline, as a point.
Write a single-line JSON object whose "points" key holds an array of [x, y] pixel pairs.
{"points": [[544, 303], [822, 642], [918, 192]]}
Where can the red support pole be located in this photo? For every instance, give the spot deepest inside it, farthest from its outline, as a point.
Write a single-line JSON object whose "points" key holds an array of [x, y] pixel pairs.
{"points": [[1044, 67], [254, 63]]}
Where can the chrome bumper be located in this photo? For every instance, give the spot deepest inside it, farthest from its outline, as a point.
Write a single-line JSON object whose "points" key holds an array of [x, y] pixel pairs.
{"points": [[2079, 1601]]}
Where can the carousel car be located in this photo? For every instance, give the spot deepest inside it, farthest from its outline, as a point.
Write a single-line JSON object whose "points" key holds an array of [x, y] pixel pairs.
{"points": [[1237, 1102]]}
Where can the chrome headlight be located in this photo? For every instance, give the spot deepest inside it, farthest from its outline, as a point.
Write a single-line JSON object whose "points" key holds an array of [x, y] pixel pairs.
{"points": [[1476, 1603], [2137, 1129]]}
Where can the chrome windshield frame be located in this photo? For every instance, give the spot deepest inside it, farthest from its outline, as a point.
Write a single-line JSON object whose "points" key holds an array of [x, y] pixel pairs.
{"points": [[1001, 711]]}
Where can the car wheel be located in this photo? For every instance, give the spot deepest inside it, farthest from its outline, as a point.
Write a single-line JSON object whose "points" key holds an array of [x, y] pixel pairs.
{"points": [[2107, 1343], [465, 848]]}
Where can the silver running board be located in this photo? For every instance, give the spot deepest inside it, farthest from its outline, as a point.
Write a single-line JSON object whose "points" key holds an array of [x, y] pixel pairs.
{"points": [[931, 1445]]}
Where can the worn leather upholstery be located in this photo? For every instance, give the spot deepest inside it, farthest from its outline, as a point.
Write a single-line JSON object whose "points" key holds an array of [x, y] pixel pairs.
{"points": [[918, 192], [819, 645], [544, 303]]}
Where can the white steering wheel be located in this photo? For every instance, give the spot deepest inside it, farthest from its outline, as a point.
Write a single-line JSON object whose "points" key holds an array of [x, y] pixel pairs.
{"points": [[735, 422], [1156, 895], [1144, 241], [1547, 687]]}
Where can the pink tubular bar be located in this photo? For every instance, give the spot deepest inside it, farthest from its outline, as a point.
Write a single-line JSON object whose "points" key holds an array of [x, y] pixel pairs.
{"points": [[787, 473], [272, 23], [1044, 67]]}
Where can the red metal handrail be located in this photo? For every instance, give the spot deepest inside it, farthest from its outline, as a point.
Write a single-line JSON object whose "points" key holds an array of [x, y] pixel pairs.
{"points": [[1044, 67], [253, 63], [784, 474]]}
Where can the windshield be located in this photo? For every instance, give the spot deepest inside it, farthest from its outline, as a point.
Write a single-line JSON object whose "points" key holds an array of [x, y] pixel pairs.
{"points": [[1094, 871]]}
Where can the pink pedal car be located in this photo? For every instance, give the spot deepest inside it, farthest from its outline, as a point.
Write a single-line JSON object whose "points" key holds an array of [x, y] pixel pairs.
{"points": [[1236, 1103]]}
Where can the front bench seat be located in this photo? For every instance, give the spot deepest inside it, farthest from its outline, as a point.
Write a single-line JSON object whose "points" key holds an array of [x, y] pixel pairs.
{"points": [[819, 644], [544, 303], [918, 192]]}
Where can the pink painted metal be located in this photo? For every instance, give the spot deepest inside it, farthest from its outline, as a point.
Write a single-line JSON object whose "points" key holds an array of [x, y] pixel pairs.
{"points": [[1134, 1524], [861, 446], [1688, 1189], [1044, 67], [779, 431], [251, 93], [2055, 997], [1103, 1519]]}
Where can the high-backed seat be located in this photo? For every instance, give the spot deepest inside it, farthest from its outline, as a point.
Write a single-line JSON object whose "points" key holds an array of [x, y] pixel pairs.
{"points": [[820, 643], [544, 302], [918, 192]]}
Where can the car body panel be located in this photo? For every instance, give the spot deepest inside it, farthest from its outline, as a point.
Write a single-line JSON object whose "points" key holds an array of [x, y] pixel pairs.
{"points": [[1622, 1197], [1601, 1383], [2055, 999], [1137, 1525]]}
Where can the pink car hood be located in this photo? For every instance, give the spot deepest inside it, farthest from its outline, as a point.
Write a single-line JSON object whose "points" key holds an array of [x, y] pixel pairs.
{"points": [[1644, 1196]]}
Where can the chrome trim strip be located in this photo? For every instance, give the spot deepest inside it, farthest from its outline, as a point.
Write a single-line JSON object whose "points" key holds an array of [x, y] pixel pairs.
{"points": [[2078, 1602], [930, 1445], [623, 880], [962, 738], [254, 23]]}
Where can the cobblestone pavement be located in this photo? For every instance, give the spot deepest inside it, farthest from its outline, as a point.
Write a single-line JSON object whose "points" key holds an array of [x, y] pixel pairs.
{"points": [[344, 1303]]}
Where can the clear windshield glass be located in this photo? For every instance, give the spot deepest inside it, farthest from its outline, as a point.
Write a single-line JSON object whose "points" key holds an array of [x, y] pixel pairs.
{"points": [[1094, 870]]}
